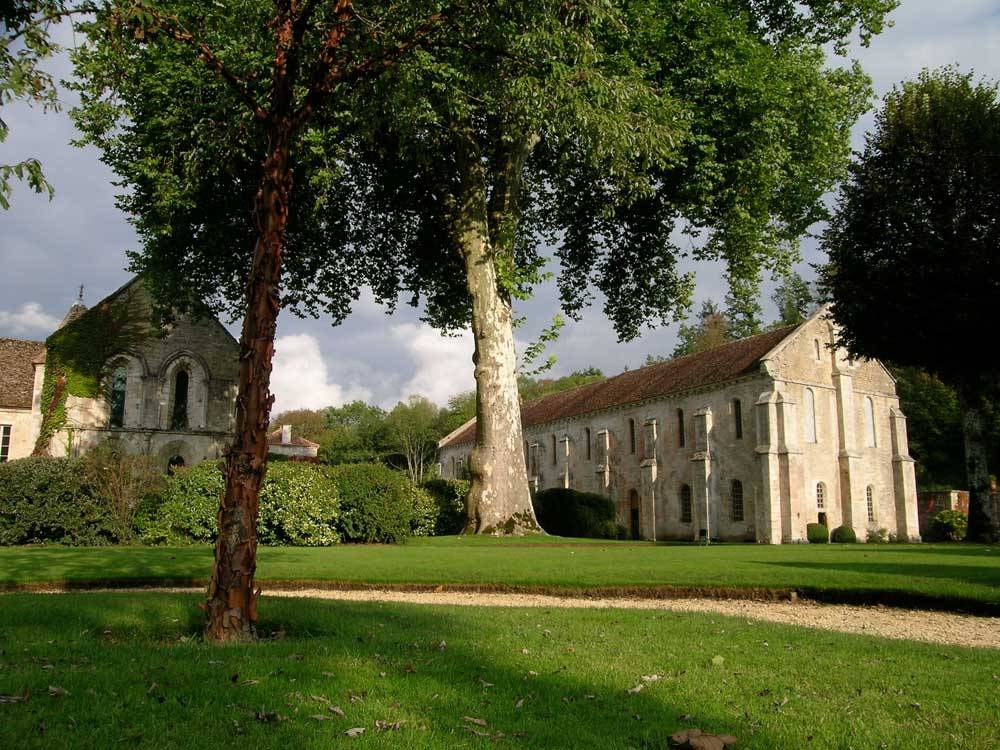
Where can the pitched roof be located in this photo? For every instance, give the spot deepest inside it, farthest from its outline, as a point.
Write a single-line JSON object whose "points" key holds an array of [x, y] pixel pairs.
{"points": [[274, 438], [17, 373], [723, 363]]}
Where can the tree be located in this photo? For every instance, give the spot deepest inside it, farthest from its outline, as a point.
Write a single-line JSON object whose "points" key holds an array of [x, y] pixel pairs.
{"points": [[25, 44], [355, 433], [794, 299], [913, 269], [122, 480], [412, 428], [232, 89], [600, 130], [711, 330], [532, 388]]}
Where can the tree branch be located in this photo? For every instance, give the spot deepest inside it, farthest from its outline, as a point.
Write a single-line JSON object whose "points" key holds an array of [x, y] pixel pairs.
{"points": [[172, 27]]}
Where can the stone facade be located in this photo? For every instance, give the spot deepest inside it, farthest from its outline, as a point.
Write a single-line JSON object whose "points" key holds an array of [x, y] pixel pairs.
{"points": [[195, 361], [750, 441]]}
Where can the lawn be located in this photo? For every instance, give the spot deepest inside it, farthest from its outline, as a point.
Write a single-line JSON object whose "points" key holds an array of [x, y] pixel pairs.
{"points": [[128, 670], [929, 574]]}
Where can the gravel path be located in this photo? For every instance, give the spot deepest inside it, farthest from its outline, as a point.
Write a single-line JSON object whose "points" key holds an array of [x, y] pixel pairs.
{"points": [[887, 622]]}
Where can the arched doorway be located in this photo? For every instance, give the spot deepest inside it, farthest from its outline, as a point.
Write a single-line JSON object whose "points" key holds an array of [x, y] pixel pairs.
{"points": [[174, 462], [633, 513]]}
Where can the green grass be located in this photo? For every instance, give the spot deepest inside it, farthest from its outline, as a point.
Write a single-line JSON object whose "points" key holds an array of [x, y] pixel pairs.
{"points": [[137, 675], [956, 572]]}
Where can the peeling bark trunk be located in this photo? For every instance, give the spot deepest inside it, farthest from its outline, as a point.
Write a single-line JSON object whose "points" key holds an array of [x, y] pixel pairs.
{"points": [[499, 500], [232, 600], [983, 524]]}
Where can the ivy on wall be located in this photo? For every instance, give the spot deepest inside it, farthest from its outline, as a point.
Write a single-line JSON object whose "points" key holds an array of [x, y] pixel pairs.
{"points": [[78, 356]]}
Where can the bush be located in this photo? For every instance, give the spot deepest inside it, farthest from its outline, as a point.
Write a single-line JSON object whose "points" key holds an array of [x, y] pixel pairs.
{"points": [[844, 535], [377, 503], [49, 500], [949, 526], [817, 533], [425, 513], [567, 512], [450, 497], [298, 506], [122, 481], [878, 536]]}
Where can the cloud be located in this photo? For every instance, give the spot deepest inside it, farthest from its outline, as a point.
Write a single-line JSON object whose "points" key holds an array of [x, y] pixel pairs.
{"points": [[300, 378], [443, 363], [29, 318]]}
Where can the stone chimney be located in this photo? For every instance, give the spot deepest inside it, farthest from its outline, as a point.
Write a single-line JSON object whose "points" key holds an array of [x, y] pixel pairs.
{"points": [[286, 434]]}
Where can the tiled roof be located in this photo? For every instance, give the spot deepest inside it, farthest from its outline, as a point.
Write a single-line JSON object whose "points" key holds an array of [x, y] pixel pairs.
{"points": [[726, 362], [17, 373], [274, 438]]}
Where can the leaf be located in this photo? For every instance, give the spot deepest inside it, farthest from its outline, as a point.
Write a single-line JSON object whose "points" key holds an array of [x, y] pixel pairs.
{"points": [[57, 692], [387, 726], [22, 698], [651, 677], [637, 689], [355, 731], [269, 716], [335, 710], [520, 702], [718, 661], [321, 717], [473, 720]]}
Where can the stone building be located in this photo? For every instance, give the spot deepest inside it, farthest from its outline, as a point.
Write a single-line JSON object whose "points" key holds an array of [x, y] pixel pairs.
{"points": [[751, 441], [172, 398], [281, 442]]}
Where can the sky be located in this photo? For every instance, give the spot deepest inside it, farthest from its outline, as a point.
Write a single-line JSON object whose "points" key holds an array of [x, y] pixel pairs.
{"points": [[49, 248]]}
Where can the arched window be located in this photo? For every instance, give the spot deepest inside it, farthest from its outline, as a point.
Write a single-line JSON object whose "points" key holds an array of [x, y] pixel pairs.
{"points": [[680, 427], [816, 346], [870, 422], [810, 408], [736, 496], [631, 436], [119, 379], [870, 499], [738, 418], [685, 504], [586, 434], [179, 416], [820, 496], [554, 456], [633, 513]]}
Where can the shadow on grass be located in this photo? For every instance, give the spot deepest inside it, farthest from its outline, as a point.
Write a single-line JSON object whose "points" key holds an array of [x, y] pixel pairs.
{"points": [[136, 674]]}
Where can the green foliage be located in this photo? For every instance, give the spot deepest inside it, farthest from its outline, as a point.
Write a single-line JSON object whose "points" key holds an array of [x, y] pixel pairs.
{"points": [[949, 526], [712, 329], [79, 355], [913, 244], [817, 533], [121, 480], [355, 433], [566, 512], [310, 424], [843, 535], [46, 499], [298, 507], [412, 431], [795, 300], [878, 536], [376, 503], [531, 388], [450, 498]]}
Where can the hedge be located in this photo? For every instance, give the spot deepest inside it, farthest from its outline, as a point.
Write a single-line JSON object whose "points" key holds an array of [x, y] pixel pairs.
{"points": [[298, 507], [49, 500], [817, 533], [450, 498], [844, 535], [566, 512], [377, 504], [949, 526]]}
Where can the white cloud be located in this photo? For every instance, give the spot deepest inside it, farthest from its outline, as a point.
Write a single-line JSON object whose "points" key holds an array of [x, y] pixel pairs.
{"points": [[29, 318], [443, 363], [300, 378]]}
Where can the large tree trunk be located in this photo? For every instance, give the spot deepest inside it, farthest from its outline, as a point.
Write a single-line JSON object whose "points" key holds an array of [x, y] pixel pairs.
{"points": [[232, 601], [983, 523], [499, 500]]}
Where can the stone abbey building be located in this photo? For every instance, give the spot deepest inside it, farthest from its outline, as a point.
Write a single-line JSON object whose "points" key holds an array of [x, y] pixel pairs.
{"points": [[749, 441], [172, 397]]}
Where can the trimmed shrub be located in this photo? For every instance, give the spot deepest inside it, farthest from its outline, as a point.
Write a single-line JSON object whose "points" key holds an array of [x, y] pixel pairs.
{"points": [[376, 502], [425, 513], [46, 499], [298, 507], [844, 535], [450, 497], [817, 533], [949, 526], [567, 512]]}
